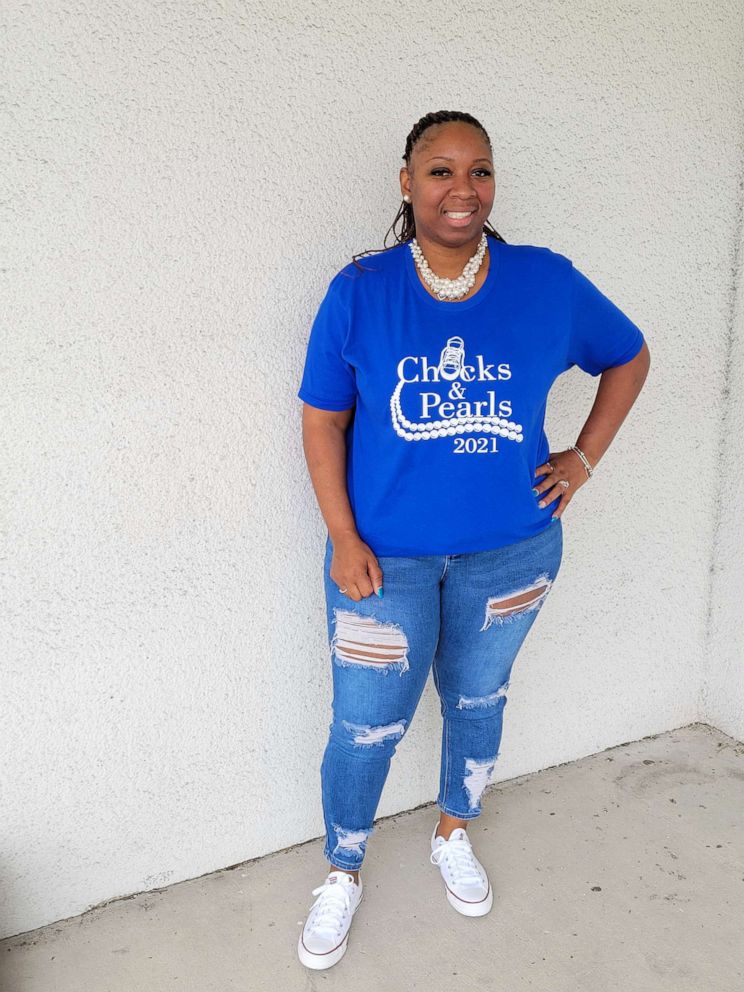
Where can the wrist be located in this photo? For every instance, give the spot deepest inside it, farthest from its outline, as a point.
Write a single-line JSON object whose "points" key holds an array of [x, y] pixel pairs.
{"points": [[587, 459], [342, 533]]}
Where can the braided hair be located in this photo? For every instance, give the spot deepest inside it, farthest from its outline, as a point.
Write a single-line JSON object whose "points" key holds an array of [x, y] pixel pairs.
{"points": [[405, 211]]}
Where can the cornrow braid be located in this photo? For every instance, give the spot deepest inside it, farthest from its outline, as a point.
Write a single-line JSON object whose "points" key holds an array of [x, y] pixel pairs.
{"points": [[405, 211]]}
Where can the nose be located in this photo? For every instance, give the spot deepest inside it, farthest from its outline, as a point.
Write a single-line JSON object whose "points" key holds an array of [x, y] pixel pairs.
{"points": [[464, 187]]}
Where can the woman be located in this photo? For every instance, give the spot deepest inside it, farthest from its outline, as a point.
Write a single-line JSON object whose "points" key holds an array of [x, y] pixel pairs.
{"points": [[424, 388]]}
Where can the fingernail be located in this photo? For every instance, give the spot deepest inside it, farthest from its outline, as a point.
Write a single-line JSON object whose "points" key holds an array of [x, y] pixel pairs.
{"points": [[535, 491], [541, 504], [554, 519], [379, 592]]}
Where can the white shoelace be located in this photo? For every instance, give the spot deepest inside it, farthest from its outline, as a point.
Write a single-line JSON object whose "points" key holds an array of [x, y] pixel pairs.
{"points": [[329, 909], [458, 852]]}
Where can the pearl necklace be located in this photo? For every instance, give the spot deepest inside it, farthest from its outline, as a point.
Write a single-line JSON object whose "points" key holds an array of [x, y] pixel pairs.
{"points": [[450, 289]]}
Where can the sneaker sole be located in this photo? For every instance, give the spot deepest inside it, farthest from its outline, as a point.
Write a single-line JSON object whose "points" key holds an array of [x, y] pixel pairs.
{"points": [[470, 908], [319, 962]]}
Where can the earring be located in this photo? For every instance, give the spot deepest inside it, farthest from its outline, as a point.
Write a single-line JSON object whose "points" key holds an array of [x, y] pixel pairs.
{"points": [[407, 198]]}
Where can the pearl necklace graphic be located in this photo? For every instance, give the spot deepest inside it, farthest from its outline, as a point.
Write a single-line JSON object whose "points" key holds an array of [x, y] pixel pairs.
{"points": [[450, 366]]}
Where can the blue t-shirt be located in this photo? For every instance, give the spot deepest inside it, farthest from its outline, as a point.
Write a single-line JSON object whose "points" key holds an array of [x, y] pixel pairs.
{"points": [[450, 397]]}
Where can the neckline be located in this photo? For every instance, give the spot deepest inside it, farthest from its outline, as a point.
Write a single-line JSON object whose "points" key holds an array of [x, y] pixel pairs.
{"points": [[454, 306]]}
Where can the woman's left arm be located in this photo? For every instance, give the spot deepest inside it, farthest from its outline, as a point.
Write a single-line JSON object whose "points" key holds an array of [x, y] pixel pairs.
{"points": [[617, 392]]}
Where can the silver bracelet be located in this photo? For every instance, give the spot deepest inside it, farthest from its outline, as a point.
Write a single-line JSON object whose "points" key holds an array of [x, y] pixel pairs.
{"points": [[582, 456]]}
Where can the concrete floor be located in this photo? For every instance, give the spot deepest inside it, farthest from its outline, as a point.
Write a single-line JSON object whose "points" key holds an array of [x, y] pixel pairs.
{"points": [[621, 871]]}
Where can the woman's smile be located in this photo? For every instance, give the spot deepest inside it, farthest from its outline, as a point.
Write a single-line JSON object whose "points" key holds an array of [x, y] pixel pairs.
{"points": [[459, 218]]}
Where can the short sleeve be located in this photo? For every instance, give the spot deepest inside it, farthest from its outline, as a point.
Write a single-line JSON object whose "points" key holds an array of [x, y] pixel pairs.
{"points": [[600, 334], [328, 380]]}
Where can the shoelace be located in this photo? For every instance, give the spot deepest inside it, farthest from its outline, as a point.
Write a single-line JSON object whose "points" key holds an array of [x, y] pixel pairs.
{"points": [[460, 852], [451, 358], [328, 911]]}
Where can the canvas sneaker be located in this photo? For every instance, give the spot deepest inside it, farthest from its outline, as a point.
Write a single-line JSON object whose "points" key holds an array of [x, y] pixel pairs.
{"points": [[325, 935], [465, 878]]}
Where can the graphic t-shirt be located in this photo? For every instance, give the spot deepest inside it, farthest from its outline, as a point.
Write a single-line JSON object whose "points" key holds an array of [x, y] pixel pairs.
{"points": [[449, 397]]}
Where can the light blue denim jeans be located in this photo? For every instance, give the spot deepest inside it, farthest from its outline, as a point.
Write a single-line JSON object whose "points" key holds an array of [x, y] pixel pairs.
{"points": [[464, 616]]}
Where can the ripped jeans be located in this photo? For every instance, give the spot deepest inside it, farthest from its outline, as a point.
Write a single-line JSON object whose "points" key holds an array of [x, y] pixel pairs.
{"points": [[465, 616]]}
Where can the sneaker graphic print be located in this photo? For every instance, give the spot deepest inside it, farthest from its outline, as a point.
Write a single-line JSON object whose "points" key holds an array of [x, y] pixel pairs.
{"points": [[444, 408]]}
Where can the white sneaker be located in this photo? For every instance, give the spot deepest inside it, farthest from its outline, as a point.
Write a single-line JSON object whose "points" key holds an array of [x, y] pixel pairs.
{"points": [[326, 932], [465, 878]]}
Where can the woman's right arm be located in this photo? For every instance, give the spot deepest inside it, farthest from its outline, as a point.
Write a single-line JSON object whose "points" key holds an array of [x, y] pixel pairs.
{"points": [[355, 566]]}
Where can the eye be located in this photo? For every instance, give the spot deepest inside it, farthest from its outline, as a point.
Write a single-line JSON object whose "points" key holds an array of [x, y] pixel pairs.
{"points": [[486, 172]]}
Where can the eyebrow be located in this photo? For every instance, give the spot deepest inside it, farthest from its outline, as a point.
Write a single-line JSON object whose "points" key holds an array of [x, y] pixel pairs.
{"points": [[446, 159]]}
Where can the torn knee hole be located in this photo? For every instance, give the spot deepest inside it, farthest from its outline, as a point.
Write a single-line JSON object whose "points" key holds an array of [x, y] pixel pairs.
{"points": [[479, 702], [365, 735], [366, 641]]}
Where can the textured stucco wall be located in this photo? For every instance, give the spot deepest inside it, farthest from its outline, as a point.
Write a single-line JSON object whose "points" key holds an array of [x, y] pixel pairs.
{"points": [[723, 683], [183, 180]]}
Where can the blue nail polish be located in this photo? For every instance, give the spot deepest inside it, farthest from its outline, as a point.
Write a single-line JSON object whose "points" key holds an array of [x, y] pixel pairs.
{"points": [[379, 592], [554, 520], [535, 491]]}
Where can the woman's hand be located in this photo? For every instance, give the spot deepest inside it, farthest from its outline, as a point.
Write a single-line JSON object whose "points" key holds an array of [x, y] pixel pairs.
{"points": [[567, 466], [354, 568]]}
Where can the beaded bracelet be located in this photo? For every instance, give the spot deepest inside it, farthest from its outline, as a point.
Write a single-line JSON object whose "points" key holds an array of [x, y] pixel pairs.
{"points": [[582, 456]]}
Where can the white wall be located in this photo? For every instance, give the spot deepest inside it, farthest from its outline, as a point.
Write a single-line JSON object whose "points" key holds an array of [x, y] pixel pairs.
{"points": [[723, 684], [184, 180]]}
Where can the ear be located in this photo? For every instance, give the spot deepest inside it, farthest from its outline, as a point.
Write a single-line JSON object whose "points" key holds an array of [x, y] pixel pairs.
{"points": [[405, 180]]}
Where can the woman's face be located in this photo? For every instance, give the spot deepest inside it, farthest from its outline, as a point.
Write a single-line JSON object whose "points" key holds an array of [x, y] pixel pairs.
{"points": [[451, 171]]}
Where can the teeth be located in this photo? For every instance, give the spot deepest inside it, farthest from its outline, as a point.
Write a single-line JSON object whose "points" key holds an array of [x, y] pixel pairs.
{"points": [[457, 216]]}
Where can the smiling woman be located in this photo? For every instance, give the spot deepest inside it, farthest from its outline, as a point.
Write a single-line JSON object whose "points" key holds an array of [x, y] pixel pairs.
{"points": [[425, 387]]}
